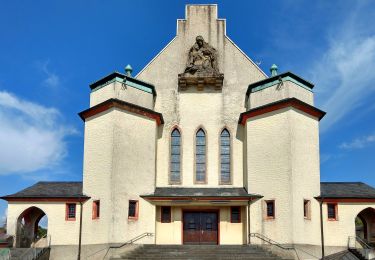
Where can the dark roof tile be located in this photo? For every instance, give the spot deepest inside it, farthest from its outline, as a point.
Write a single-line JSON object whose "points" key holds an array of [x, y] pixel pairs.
{"points": [[50, 190], [201, 192], [358, 190]]}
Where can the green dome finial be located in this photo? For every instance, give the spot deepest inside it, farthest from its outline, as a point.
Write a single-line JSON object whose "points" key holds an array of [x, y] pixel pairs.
{"points": [[273, 70], [128, 70]]}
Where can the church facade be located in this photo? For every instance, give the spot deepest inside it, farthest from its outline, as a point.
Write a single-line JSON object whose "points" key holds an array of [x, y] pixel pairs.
{"points": [[200, 147]]}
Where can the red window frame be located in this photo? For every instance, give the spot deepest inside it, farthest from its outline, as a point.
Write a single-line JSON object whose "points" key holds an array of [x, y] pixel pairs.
{"points": [[96, 209], [336, 212], [67, 218], [169, 218], [135, 217], [266, 209], [307, 209], [239, 214]]}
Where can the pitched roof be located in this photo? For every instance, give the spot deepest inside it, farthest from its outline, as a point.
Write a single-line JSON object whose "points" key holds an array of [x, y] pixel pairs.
{"points": [[50, 190], [348, 190], [200, 192]]}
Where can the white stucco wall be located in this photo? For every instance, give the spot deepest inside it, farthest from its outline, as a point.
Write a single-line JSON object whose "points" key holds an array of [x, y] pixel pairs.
{"points": [[283, 165], [61, 231], [336, 233], [119, 165], [122, 92], [278, 92], [210, 109]]}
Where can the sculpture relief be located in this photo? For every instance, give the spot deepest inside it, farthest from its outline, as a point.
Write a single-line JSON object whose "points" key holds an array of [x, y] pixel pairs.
{"points": [[202, 59]]}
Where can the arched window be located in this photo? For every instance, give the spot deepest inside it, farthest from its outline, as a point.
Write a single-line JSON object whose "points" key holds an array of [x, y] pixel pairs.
{"points": [[225, 177], [200, 156], [175, 168]]}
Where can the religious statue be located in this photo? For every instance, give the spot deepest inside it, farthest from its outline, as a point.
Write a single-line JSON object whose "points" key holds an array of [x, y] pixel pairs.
{"points": [[202, 58]]}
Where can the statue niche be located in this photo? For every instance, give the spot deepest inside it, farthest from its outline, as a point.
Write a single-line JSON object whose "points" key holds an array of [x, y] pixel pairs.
{"points": [[202, 67]]}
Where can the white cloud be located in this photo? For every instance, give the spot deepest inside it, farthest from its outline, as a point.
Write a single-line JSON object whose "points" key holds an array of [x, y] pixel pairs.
{"points": [[52, 79], [345, 73], [32, 136], [358, 143]]}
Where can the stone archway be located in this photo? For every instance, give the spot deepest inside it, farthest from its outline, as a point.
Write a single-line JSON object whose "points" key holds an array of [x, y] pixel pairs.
{"points": [[28, 228], [365, 225]]}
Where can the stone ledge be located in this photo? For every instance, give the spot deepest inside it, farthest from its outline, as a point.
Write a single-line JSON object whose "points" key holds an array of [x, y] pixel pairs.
{"points": [[186, 81]]}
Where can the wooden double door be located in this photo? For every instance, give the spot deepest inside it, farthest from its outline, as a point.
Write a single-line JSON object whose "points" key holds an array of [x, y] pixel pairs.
{"points": [[200, 228]]}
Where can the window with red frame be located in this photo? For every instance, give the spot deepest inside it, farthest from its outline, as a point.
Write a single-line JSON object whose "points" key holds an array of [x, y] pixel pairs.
{"points": [[165, 214], [133, 209], [270, 209], [306, 209], [70, 211], [235, 214], [332, 211], [96, 209]]}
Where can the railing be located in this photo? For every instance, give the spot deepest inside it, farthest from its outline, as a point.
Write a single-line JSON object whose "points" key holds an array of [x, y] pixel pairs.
{"points": [[283, 250], [270, 241], [361, 246], [131, 241], [38, 248]]}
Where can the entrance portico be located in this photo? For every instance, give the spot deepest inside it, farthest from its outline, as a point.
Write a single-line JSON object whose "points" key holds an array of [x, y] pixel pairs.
{"points": [[201, 215]]}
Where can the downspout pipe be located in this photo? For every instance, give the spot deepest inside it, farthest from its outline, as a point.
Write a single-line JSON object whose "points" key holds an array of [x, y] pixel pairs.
{"points": [[248, 221], [321, 225], [80, 230]]}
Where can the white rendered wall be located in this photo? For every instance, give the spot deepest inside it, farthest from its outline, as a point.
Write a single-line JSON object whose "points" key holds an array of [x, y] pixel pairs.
{"points": [[283, 165], [190, 109], [61, 231], [336, 233], [122, 92], [97, 174], [119, 166], [278, 92]]}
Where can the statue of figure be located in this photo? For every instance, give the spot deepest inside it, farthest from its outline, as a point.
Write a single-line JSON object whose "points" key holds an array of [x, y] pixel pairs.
{"points": [[202, 58]]}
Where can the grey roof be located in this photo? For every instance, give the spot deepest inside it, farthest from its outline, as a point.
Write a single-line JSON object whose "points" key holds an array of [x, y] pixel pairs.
{"points": [[348, 190], [201, 192], [50, 190]]}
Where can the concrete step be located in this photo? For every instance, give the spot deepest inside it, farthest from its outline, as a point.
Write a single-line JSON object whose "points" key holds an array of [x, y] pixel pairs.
{"points": [[201, 252], [200, 258]]}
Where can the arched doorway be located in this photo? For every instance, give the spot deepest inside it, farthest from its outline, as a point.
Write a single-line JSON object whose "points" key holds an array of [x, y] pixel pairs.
{"points": [[31, 225], [365, 225]]}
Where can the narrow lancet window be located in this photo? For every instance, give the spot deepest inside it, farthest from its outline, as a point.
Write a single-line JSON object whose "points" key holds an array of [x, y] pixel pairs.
{"points": [[200, 157], [225, 177], [175, 174]]}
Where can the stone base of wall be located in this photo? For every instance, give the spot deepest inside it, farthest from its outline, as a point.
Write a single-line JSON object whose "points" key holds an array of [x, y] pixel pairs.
{"points": [[92, 252]]}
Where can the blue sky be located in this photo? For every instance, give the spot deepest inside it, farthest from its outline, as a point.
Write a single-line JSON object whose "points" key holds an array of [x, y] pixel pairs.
{"points": [[51, 50]]}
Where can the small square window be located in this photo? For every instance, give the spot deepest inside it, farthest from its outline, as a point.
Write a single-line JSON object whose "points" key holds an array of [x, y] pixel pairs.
{"points": [[306, 209], [96, 209], [235, 214], [165, 214], [270, 209], [70, 211], [133, 209], [332, 211]]}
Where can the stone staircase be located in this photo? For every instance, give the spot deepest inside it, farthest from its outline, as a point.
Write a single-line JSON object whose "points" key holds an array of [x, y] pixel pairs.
{"points": [[201, 252], [344, 255]]}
